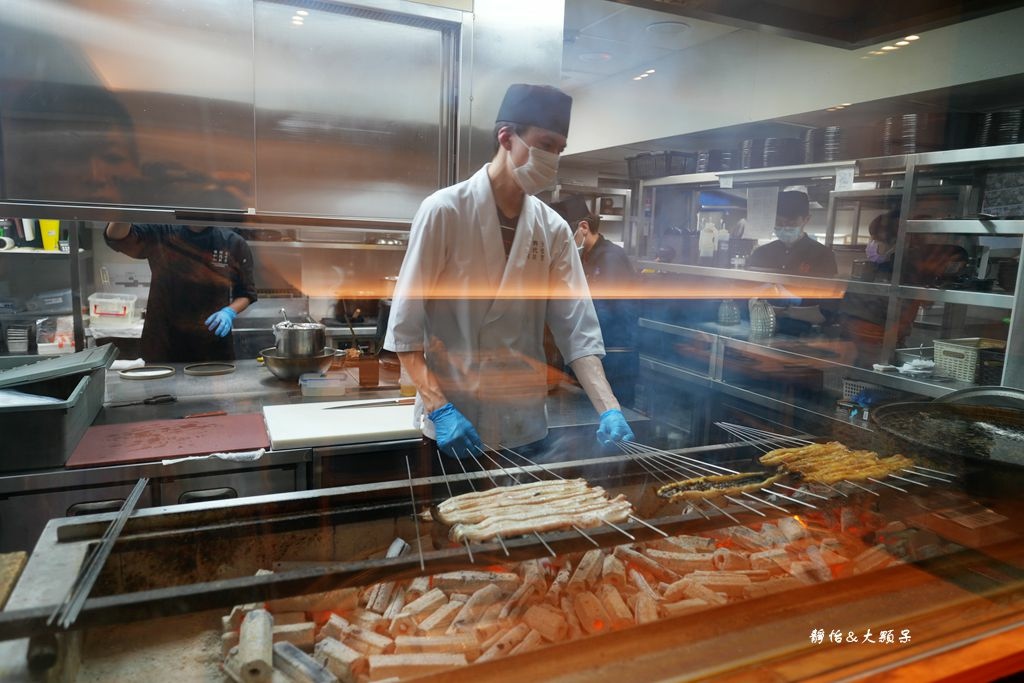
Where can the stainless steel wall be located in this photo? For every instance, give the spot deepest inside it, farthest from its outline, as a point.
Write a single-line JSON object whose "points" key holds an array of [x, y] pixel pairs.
{"points": [[353, 109], [359, 111], [124, 102]]}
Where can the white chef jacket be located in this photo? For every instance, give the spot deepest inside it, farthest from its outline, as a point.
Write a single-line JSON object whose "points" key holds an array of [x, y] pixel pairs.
{"points": [[479, 318]]}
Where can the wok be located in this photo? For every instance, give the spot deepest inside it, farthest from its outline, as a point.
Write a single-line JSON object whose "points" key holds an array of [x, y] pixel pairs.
{"points": [[956, 429]]}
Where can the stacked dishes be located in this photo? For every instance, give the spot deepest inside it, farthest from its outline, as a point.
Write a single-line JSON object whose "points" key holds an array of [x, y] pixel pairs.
{"points": [[814, 150], [835, 143], [712, 160], [781, 151], [1006, 127], [752, 153]]}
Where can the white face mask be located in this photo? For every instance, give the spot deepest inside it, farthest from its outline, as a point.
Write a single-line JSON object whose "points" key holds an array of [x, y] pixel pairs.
{"points": [[539, 171], [788, 234]]}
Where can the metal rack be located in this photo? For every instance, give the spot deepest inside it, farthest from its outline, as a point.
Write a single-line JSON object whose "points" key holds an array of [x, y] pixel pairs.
{"points": [[964, 167]]}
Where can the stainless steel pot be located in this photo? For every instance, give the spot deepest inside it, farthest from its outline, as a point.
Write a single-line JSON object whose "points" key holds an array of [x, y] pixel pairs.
{"points": [[300, 340]]}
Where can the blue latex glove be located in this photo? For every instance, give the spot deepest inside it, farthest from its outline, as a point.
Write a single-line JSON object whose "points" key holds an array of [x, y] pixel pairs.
{"points": [[613, 428], [220, 322], [455, 435]]}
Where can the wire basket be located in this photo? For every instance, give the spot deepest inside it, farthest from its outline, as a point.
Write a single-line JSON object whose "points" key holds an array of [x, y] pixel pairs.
{"points": [[660, 164], [958, 358], [852, 387]]}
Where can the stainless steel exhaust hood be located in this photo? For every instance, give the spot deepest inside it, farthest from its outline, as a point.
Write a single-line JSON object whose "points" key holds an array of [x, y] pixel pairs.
{"points": [[234, 112]]}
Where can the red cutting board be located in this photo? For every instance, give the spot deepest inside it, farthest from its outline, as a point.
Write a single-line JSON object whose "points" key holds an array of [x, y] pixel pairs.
{"points": [[120, 444]]}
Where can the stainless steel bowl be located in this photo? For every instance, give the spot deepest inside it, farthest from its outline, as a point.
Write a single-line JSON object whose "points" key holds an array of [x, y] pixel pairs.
{"points": [[292, 368]]}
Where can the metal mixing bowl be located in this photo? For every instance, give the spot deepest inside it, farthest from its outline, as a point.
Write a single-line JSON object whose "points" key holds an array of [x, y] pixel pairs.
{"points": [[292, 368]]}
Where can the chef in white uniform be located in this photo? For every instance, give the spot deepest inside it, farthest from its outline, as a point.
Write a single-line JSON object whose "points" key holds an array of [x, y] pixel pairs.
{"points": [[488, 266]]}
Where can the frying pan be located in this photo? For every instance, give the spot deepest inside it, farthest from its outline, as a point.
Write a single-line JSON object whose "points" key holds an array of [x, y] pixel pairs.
{"points": [[956, 429]]}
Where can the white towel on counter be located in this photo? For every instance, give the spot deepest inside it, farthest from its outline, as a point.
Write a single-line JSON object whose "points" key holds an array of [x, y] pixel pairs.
{"points": [[240, 456], [127, 364]]}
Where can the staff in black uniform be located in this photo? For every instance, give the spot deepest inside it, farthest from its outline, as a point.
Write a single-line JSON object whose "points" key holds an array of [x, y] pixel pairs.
{"points": [[794, 252], [611, 279], [202, 278]]}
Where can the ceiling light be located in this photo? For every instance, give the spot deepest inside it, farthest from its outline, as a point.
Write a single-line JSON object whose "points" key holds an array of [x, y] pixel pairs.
{"points": [[649, 71], [845, 104], [302, 13], [638, 78], [296, 22], [901, 43], [890, 48], [876, 52], [667, 28], [912, 38], [594, 57]]}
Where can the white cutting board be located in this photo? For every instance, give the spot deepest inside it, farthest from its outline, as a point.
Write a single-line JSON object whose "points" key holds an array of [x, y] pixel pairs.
{"points": [[305, 425]]}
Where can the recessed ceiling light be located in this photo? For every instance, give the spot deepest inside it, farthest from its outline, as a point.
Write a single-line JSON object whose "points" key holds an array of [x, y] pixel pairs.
{"points": [[296, 22], [638, 78], [649, 71], [889, 48], [876, 52], [901, 43], [594, 57], [302, 13], [845, 104], [667, 28], [912, 38]]}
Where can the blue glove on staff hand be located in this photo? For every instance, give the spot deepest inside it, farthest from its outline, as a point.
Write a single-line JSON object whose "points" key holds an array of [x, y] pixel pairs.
{"points": [[220, 322], [613, 428], [455, 434]]}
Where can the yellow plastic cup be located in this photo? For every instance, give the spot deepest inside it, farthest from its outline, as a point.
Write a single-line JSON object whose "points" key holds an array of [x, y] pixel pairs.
{"points": [[51, 233]]}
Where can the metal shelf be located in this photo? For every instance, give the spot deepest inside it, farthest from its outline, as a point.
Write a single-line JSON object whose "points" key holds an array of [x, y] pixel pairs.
{"points": [[833, 284], [953, 296], [357, 246], [687, 179], [760, 175], [967, 226], [32, 251]]}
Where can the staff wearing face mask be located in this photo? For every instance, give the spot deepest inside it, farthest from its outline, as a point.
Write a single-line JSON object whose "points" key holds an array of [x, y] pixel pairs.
{"points": [[794, 252], [612, 283], [488, 265]]}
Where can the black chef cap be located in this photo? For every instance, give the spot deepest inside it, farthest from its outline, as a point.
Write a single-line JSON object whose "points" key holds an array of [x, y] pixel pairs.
{"points": [[793, 204], [542, 106], [573, 209]]}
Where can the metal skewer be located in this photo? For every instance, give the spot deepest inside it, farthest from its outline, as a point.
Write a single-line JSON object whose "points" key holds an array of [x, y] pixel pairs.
{"points": [[892, 486], [929, 476], [777, 507], [801, 490], [864, 488], [741, 503], [910, 481], [415, 515], [783, 495]]}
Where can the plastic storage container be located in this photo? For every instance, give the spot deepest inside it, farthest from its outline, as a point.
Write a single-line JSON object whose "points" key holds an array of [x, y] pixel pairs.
{"points": [[111, 310], [958, 358], [44, 436]]}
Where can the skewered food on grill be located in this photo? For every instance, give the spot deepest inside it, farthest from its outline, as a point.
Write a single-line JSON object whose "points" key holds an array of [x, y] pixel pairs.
{"points": [[832, 462], [522, 509], [717, 485]]}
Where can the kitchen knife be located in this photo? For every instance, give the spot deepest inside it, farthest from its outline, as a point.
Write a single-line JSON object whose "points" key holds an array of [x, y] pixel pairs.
{"points": [[377, 403]]}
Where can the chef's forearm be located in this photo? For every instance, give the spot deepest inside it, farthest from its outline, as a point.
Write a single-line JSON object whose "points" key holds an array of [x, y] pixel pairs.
{"points": [[590, 373], [240, 304], [118, 231], [426, 384]]}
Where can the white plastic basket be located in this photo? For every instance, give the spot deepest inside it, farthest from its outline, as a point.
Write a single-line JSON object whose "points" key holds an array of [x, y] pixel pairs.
{"points": [[958, 358], [111, 310]]}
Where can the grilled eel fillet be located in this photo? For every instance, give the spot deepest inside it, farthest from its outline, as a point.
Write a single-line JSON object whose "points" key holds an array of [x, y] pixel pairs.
{"points": [[716, 486], [537, 506], [828, 463]]}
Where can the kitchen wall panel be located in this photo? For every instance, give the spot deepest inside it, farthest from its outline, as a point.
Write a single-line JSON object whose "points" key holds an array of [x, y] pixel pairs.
{"points": [[126, 102], [353, 109]]}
